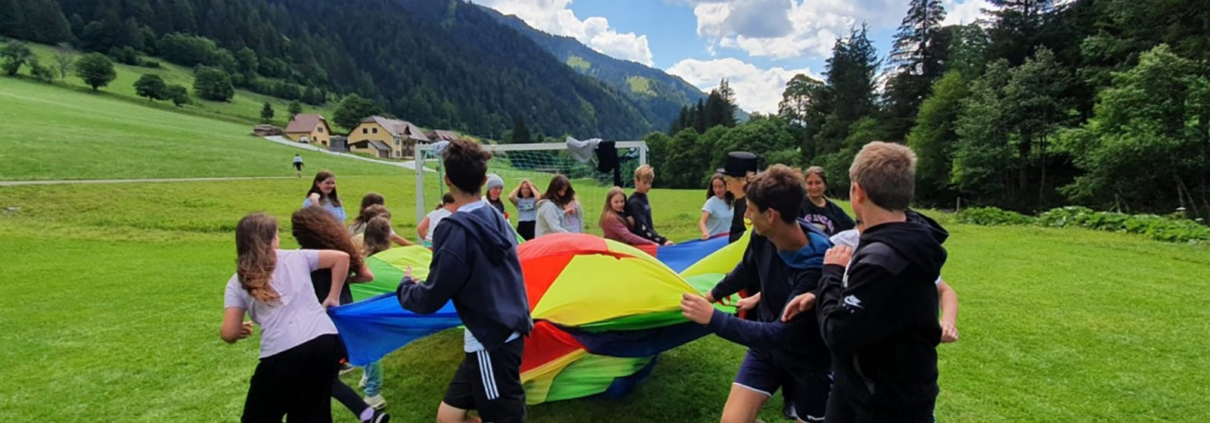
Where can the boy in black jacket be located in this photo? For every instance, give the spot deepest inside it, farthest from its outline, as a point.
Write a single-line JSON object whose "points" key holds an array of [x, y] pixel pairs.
{"points": [[784, 257], [877, 307], [638, 209], [475, 264]]}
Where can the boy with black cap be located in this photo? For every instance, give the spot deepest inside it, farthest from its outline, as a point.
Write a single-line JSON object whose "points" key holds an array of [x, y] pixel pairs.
{"points": [[877, 306], [475, 264]]}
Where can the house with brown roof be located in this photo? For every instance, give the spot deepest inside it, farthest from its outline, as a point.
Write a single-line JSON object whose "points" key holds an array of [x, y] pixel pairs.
{"points": [[310, 128], [400, 136], [441, 135]]}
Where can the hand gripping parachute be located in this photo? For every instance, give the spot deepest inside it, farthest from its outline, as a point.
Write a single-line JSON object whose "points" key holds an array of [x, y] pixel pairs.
{"points": [[602, 310]]}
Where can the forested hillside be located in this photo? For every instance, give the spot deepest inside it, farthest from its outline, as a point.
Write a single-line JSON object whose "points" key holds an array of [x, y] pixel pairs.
{"points": [[464, 71]]}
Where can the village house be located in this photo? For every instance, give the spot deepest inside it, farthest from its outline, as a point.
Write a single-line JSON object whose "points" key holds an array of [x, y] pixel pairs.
{"points": [[398, 136], [310, 128]]}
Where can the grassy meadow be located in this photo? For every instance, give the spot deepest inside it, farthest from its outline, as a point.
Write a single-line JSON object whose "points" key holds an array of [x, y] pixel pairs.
{"points": [[118, 295], [113, 293], [51, 132], [245, 107]]}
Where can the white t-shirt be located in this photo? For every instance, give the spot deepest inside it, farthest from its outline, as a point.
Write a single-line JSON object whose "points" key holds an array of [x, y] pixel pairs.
{"points": [[296, 317], [435, 217], [850, 238], [719, 221]]}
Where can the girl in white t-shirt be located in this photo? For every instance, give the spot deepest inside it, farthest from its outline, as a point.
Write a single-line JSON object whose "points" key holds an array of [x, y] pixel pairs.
{"points": [[429, 225], [299, 351]]}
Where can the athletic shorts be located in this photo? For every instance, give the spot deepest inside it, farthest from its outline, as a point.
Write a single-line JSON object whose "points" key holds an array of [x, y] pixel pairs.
{"points": [[489, 381], [298, 166], [805, 388]]}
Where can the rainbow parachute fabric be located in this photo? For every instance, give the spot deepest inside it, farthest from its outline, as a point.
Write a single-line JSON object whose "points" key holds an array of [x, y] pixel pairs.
{"points": [[602, 310]]}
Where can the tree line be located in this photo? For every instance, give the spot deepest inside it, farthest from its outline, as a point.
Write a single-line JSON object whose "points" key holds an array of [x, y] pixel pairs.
{"points": [[1039, 104]]}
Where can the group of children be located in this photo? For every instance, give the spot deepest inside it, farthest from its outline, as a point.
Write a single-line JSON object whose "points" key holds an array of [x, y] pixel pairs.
{"points": [[846, 326], [842, 315]]}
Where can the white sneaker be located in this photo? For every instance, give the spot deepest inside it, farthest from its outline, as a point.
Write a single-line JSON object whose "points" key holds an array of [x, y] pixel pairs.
{"points": [[363, 382], [376, 402]]}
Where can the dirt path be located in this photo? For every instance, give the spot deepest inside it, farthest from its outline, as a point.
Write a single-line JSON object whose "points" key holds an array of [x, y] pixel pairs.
{"points": [[132, 181]]}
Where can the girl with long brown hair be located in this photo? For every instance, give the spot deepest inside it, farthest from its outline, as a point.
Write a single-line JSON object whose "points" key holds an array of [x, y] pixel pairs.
{"points": [[323, 194], [300, 352], [554, 205], [315, 228], [717, 212], [613, 222]]}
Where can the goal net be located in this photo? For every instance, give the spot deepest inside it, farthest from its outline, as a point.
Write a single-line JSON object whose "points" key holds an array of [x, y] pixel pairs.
{"points": [[537, 163]]}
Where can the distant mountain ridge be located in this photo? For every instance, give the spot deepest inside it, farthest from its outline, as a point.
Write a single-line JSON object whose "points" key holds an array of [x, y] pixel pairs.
{"points": [[656, 93]]}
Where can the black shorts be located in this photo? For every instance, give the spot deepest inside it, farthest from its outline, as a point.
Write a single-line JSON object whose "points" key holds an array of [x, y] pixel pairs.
{"points": [[841, 410], [295, 383], [490, 382], [298, 166], [805, 388]]}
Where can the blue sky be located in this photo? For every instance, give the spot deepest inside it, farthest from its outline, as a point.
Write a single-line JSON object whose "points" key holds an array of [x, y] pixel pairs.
{"points": [[757, 45]]}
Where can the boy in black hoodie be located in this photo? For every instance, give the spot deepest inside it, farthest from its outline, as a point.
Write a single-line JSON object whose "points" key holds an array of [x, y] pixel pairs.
{"points": [[784, 257], [638, 209], [475, 264], [877, 307]]}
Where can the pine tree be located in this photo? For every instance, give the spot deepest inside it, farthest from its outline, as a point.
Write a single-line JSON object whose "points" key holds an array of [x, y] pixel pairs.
{"points": [[1016, 28], [266, 113], [520, 132], [851, 72], [916, 63], [295, 109]]}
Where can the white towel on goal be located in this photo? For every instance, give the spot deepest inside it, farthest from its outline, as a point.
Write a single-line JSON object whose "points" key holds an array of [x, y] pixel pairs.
{"points": [[582, 150]]}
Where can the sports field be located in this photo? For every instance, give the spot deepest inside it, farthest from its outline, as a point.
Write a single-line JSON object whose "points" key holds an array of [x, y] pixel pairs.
{"points": [[112, 294]]}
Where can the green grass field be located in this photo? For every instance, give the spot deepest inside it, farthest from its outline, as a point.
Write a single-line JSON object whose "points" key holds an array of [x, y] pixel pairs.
{"points": [[245, 107], [116, 299], [52, 132], [113, 293]]}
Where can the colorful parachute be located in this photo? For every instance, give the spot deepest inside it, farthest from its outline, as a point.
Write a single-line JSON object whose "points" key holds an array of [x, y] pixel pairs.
{"points": [[602, 310]]}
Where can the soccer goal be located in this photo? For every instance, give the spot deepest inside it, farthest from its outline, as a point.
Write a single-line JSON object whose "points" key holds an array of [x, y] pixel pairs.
{"points": [[538, 163]]}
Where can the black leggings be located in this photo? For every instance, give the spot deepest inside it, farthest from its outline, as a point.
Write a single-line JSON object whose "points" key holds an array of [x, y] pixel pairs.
{"points": [[348, 397], [295, 383]]}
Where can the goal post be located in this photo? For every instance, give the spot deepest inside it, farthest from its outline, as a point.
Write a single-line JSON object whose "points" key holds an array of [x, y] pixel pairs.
{"points": [[537, 162]]}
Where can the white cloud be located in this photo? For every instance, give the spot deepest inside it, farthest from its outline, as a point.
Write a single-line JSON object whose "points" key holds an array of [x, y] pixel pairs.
{"points": [[554, 17], [964, 13], [754, 25], [756, 90]]}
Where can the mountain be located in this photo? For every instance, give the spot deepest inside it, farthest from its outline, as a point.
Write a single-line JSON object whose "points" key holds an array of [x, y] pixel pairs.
{"points": [[657, 94], [437, 63]]}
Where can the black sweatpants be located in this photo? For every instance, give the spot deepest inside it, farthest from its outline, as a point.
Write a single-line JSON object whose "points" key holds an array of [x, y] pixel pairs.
{"points": [[296, 383], [841, 410]]}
